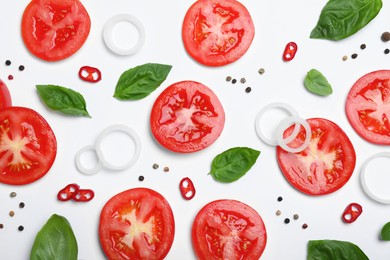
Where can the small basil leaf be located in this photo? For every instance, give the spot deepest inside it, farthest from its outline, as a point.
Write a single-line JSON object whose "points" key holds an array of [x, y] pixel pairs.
{"points": [[316, 83], [334, 249], [234, 163], [139, 82], [340, 19], [385, 233], [55, 240], [64, 100]]}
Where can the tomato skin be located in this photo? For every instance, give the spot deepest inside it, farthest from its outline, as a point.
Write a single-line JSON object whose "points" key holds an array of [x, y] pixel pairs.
{"points": [[5, 97], [325, 165], [139, 216], [367, 107], [55, 30], [216, 33], [28, 146], [228, 229], [187, 117]]}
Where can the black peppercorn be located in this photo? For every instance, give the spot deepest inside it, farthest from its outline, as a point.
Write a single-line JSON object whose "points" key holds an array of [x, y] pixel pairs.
{"points": [[387, 51], [7, 62], [234, 81], [21, 67], [20, 228], [280, 198], [141, 178], [354, 56], [286, 220]]}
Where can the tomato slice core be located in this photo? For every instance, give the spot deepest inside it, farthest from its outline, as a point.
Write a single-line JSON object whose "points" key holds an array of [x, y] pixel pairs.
{"points": [[28, 146], [325, 165]]}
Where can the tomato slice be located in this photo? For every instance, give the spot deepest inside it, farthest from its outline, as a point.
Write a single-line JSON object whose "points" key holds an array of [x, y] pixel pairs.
{"points": [[216, 32], [228, 229], [5, 97], [28, 146], [187, 117], [368, 107], [55, 30], [136, 224], [325, 165]]}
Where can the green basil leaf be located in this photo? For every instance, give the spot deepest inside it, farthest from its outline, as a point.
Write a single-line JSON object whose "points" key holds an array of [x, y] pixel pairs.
{"points": [[340, 19], [64, 100], [55, 240], [316, 83], [234, 163], [334, 249], [139, 82], [385, 233]]}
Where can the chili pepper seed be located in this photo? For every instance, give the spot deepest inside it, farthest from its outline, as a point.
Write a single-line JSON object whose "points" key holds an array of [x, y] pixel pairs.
{"points": [[354, 56], [387, 51], [228, 78], [7, 62], [11, 213], [166, 169], [141, 178], [20, 228], [12, 194], [286, 220], [385, 36], [234, 81], [21, 205], [155, 166]]}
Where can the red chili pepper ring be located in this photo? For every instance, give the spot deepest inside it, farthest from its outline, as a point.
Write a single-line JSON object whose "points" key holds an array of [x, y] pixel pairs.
{"points": [[90, 74], [68, 192], [84, 195], [352, 212], [187, 188], [290, 51]]}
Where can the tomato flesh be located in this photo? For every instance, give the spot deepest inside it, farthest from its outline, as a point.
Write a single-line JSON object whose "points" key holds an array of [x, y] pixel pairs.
{"points": [[136, 224], [28, 146], [5, 97], [228, 229], [187, 117], [55, 30], [325, 165], [368, 107], [217, 33]]}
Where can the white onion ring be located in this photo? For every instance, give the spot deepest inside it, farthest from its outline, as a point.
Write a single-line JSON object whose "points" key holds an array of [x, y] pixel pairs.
{"points": [[363, 181], [80, 166], [286, 123], [120, 128], [261, 113], [109, 26]]}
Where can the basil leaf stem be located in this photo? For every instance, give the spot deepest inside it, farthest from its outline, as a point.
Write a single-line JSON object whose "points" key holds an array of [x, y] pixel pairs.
{"points": [[139, 82], [55, 240], [334, 249], [64, 100], [340, 19], [316, 83], [385, 232], [234, 163]]}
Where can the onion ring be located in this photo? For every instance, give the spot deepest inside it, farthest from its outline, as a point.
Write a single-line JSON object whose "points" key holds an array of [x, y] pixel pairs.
{"points": [[286, 123], [121, 128], [80, 166], [363, 181], [261, 113], [109, 26]]}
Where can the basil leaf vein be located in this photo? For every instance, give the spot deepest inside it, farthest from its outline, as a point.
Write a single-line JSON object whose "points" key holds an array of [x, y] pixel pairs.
{"points": [[139, 82], [316, 83], [64, 100], [340, 19], [55, 240], [334, 249], [234, 163], [385, 232]]}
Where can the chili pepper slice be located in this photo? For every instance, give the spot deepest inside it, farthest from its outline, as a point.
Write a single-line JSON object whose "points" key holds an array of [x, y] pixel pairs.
{"points": [[90, 74], [83, 195], [290, 51], [187, 188], [68, 192], [352, 212]]}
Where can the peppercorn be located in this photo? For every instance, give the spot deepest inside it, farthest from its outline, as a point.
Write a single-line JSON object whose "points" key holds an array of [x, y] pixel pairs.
{"points": [[11, 213], [304, 226], [21, 205], [278, 213], [261, 71], [166, 169], [280, 198], [363, 46], [385, 36], [296, 216], [20, 228], [141, 178], [21, 67], [242, 80], [1, 226], [345, 57], [7, 62], [234, 81], [10, 77], [228, 78], [12, 194], [248, 89], [286, 220], [387, 51], [354, 56], [155, 166]]}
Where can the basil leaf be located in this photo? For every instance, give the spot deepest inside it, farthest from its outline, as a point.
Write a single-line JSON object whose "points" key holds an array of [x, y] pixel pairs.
{"points": [[64, 100], [385, 233], [55, 240], [234, 163], [334, 249], [139, 82], [340, 19], [316, 83]]}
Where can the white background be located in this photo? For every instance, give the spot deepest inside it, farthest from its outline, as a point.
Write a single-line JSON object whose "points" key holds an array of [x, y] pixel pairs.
{"points": [[277, 23]]}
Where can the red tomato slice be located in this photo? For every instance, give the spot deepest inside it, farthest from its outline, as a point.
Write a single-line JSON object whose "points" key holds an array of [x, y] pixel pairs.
{"points": [[55, 30], [187, 117], [325, 165], [228, 229], [28, 146], [368, 107], [136, 224], [216, 32], [5, 97]]}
